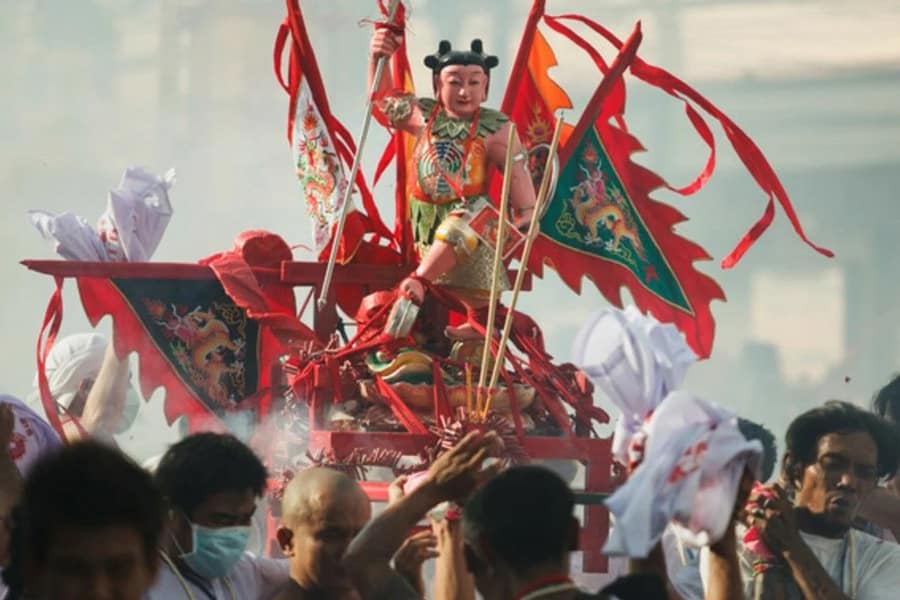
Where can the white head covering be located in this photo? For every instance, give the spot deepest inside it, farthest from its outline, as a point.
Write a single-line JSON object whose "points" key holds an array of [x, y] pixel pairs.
{"points": [[693, 462], [32, 436], [72, 360], [635, 361]]}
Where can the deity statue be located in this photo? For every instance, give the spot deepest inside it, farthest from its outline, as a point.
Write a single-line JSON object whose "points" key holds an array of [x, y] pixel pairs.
{"points": [[458, 141]]}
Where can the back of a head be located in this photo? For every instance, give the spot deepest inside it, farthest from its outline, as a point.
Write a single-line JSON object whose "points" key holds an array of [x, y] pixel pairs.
{"points": [[86, 487], [525, 514], [754, 431], [887, 401], [204, 464], [834, 416]]}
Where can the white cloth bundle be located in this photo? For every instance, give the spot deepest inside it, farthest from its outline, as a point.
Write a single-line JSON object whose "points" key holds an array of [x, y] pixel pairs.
{"points": [[72, 360], [130, 229], [694, 458], [635, 361]]}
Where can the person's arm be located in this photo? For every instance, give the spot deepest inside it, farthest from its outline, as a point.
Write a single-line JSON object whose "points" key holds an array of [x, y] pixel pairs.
{"points": [[408, 561], [654, 564], [882, 508], [452, 580], [778, 527], [106, 401], [453, 475], [724, 566], [725, 580]]}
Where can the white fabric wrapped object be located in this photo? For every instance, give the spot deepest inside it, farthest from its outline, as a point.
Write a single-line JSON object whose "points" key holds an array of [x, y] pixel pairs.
{"points": [[72, 360], [130, 228], [636, 361], [72, 236], [694, 458]]}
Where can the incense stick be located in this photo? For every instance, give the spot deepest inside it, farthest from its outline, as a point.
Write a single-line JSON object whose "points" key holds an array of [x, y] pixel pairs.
{"points": [[498, 262], [543, 190]]}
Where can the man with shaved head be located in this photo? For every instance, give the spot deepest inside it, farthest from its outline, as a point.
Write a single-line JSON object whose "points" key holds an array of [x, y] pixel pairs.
{"points": [[322, 510]]}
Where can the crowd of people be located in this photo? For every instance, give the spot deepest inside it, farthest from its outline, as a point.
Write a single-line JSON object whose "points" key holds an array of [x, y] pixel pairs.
{"points": [[81, 520]]}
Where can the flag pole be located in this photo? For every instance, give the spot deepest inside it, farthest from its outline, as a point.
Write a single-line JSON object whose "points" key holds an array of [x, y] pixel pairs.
{"points": [[354, 169]]}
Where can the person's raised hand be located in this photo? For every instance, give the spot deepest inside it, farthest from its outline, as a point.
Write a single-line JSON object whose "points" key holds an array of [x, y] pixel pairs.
{"points": [[773, 516], [458, 472], [413, 289], [408, 560], [396, 490]]}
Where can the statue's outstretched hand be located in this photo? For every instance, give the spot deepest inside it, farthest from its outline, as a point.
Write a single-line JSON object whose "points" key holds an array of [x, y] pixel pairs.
{"points": [[413, 289], [385, 42]]}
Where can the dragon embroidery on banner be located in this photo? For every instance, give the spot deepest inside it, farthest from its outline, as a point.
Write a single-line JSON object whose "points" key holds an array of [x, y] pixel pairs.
{"points": [[601, 210], [317, 167], [209, 346]]}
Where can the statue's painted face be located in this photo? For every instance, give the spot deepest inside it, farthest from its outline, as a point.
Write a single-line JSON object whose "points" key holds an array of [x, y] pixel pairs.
{"points": [[461, 89]]}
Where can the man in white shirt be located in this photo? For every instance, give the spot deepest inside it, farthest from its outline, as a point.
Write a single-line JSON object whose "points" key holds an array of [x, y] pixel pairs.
{"points": [[835, 455], [212, 483]]}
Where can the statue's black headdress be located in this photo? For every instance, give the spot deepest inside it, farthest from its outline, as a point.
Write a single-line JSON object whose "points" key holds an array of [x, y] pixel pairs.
{"points": [[446, 56]]}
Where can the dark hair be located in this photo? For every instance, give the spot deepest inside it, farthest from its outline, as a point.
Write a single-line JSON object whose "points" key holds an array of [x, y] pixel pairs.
{"points": [[646, 586], [525, 515], [204, 464], [754, 431], [13, 573], [887, 401], [87, 486], [804, 432]]}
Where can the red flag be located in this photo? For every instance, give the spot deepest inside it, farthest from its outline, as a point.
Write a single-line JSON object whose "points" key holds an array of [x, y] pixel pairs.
{"points": [[746, 149], [532, 97], [401, 146], [601, 223], [322, 146]]}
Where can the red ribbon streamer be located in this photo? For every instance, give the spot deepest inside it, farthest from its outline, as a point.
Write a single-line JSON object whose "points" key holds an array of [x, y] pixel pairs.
{"points": [[746, 149], [46, 339]]}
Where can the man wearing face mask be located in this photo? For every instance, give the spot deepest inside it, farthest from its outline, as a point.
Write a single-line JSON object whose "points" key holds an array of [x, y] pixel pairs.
{"points": [[212, 483]]}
